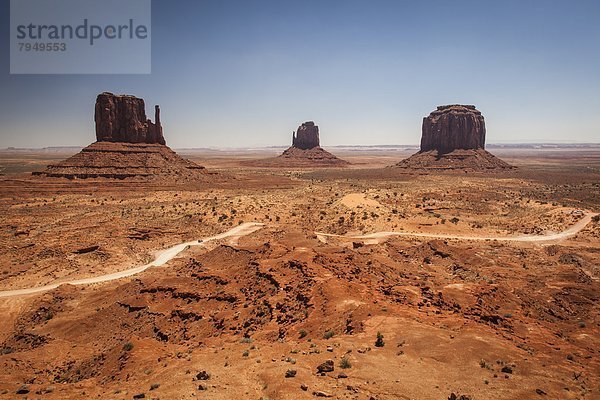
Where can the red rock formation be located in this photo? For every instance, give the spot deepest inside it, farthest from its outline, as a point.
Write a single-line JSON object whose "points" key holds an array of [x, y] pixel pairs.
{"points": [[305, 152], [118, 160], [122, 118], [458, 160], [453, 127], [128, 146], [453, 139], [306, 137]]}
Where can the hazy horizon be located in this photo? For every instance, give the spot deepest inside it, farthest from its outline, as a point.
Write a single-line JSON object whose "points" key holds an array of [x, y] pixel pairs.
{"points": [[233, 74], [496, 145]]}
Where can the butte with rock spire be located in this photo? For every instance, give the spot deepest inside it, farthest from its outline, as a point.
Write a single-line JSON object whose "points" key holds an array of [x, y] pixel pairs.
{"points": [[128, 145]]}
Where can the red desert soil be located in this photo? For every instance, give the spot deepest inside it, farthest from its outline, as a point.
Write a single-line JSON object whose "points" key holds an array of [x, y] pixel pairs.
{"points": [[260, 315]]}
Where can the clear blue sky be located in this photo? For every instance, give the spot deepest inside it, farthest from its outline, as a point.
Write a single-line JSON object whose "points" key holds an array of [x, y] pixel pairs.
{"points": [[248, 72]]}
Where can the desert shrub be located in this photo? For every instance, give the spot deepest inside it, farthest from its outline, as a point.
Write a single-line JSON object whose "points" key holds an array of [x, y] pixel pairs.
{"points": [[379, 342], [328, 335], [345, 363]]}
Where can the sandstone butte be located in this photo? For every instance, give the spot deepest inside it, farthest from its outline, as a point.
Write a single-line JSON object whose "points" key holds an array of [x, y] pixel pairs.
{"points": [[453, 138], [128, 145], [305, 152]]}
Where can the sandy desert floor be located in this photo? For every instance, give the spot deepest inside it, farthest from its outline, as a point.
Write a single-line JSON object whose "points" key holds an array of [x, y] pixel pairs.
{"points": [[258, 313]]}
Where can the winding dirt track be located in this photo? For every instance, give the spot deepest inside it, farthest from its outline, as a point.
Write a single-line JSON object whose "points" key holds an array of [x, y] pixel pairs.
{"points": [[554, 237], [247, 228], [162, 258]]}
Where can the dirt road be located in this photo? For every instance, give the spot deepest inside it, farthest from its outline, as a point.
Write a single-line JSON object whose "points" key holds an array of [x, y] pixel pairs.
{"points": [[555, 237], [161, 258], [244, 229]]}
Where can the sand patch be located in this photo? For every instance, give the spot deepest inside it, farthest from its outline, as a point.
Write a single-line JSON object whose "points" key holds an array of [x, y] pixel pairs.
{"points": [[355, 200]]}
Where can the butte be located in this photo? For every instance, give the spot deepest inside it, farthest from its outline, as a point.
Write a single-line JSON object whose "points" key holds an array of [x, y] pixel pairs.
{"points": [[453, 139], [304, 152], [128, 145]]}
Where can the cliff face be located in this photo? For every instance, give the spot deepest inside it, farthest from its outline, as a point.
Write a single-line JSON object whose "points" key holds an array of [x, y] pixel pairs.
{"points": [[306, 137], [122, 118], [453, 127]]}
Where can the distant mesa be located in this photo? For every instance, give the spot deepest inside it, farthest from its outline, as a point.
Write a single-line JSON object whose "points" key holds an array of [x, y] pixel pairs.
{"points": [[304, 152], [128, 145], [453, 138]]}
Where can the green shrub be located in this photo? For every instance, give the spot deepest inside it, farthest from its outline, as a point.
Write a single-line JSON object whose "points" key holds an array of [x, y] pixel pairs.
{"points": [[345, 363]]}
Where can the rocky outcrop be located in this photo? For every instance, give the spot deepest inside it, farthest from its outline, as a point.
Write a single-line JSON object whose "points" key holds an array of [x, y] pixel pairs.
{"points": [[453, 139], [122, 118], [305, 152], [306, 137], [128, 145], [453, 127]]}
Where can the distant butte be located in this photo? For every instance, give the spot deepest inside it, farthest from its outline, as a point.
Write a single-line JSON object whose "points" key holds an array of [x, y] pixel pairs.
{"points": [[128, 145], [306, 137], [453, 138], [304, 152]]}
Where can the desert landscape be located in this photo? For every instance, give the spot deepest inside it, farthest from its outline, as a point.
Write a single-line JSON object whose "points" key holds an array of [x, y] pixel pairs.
{"points": [[439, 271]]}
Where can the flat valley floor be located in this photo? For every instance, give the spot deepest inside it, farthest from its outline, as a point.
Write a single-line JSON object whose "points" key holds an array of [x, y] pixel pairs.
{"points": [[478, 285]]}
